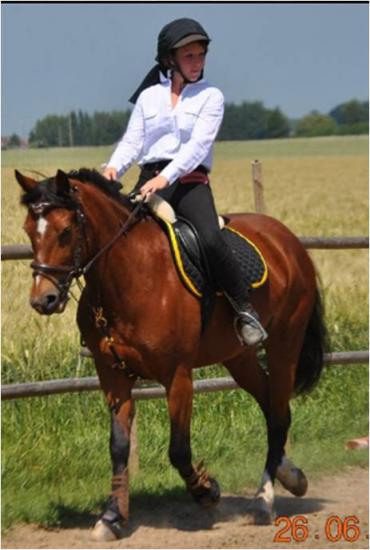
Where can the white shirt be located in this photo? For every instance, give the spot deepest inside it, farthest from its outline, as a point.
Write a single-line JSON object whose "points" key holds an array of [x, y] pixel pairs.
{"points": [[183, 134]]}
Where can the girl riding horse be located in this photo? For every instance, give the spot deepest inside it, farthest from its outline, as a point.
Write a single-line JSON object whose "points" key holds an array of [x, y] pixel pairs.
{"points": [[170, 134]]}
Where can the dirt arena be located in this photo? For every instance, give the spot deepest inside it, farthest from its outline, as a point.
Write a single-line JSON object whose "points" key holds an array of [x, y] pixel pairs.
{"points": [[171, 524]]}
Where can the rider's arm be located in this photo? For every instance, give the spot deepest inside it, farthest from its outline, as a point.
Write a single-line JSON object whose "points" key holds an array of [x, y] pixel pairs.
{"points": [[129, 147]]}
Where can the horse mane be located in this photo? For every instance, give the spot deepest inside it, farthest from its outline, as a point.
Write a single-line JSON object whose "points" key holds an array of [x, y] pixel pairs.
{"points": [[46, 190], [86, 175]]}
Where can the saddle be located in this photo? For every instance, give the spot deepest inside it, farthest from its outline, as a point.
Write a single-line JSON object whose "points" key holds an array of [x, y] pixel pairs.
{"points": [[189, 257]]}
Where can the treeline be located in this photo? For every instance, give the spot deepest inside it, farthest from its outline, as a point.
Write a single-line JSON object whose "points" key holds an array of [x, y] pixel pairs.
{"points": [[79, 129], [247, 121]]}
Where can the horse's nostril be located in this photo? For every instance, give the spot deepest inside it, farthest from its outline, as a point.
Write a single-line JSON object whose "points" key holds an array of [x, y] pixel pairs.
{"points": [[51, 299], [46, 303]]}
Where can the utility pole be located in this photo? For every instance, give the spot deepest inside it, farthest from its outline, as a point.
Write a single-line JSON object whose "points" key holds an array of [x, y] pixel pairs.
{"points": [[70, 130]]}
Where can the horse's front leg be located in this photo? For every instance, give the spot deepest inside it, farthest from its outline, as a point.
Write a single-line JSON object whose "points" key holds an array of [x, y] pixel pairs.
{"points": [[113, 522], [202, 487]]}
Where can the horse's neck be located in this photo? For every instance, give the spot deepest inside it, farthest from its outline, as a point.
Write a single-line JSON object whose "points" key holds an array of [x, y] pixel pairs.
{"points": [[124, 269]]}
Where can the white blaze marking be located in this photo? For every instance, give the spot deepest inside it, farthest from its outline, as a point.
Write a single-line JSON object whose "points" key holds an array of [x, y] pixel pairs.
{"points": [[41, 225]]}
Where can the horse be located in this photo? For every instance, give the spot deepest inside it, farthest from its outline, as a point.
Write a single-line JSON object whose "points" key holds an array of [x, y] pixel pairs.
{"points": [[138, 320]]}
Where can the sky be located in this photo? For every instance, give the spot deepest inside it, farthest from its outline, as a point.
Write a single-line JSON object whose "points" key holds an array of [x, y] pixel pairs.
{"points": [[60, 57]]}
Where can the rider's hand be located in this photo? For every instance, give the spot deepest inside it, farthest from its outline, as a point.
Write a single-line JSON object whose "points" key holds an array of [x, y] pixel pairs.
{"points": [[110, 173], [153, 185]]}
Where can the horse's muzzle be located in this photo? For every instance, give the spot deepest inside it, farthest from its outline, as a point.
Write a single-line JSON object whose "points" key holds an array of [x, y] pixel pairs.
{"points": [[49, 303]]}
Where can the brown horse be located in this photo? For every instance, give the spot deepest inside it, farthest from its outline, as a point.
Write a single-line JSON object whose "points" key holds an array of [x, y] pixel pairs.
{"points": [[139, 320]]}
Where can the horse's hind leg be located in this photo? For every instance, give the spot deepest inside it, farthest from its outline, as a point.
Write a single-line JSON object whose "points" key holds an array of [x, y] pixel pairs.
{"points": [[250, 376], [272, 393], [202, 487], [283, 351]]}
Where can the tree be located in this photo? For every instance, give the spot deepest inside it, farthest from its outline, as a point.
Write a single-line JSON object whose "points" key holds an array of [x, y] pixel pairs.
{"points": [[51, 131], [14, 141], [352, 117], [277, 124], [245, 121], [316, 124], [79, 129], [351, 112]]}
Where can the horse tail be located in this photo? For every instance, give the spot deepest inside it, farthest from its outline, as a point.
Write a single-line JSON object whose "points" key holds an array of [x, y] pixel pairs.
{"points": [[311, 359]]}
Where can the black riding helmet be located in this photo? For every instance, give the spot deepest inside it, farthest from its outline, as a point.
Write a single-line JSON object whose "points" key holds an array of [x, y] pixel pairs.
{"points": [[179, 33], [174, 35]]}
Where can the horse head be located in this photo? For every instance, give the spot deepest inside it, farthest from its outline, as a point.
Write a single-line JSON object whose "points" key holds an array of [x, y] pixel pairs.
{"points": [[54, 225]]}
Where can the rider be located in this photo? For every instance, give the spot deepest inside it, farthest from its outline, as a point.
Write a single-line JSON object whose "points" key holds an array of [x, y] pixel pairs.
{"points": [[170, 134]]}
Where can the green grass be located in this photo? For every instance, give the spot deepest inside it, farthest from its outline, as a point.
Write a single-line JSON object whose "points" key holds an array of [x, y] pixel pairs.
{"points": [[55, 463]]}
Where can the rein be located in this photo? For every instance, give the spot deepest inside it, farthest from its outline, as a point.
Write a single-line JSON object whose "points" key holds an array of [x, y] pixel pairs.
{"points": [[75, 270], [121, 232]]}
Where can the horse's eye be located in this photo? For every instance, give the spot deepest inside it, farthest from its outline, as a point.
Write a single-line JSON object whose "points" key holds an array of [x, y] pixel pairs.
{"points": [[64, 236]]}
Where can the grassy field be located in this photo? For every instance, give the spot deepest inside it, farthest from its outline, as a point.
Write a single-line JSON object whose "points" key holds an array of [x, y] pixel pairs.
{"points": [[55, 449]]}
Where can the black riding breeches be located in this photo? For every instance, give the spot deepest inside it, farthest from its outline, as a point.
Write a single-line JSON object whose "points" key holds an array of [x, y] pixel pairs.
{"points": [[194, 202]]}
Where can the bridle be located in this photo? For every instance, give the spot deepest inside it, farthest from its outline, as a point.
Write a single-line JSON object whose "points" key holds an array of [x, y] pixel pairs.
{"points": [[76, 269], [48, 271]]}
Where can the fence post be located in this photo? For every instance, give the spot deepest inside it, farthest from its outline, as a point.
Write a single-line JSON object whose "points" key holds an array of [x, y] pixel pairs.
{"points": [[259, 200]]}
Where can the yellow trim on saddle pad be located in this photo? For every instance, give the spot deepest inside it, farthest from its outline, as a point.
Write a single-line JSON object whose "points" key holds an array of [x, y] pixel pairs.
{"points": [[180, 266]]}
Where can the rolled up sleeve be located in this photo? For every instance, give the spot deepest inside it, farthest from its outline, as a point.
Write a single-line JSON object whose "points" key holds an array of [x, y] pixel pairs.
{"points": [[129, 147]]}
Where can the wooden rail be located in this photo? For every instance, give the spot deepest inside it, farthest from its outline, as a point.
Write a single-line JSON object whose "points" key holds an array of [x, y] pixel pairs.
{"points": [[24, 251], [153, 391]]}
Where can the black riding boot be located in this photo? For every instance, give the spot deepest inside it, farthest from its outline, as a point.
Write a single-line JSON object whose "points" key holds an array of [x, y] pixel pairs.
{"points": [[247, 322]]}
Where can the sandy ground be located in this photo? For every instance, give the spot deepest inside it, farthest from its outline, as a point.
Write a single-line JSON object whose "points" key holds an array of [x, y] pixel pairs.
{"points": [[165, 522]]}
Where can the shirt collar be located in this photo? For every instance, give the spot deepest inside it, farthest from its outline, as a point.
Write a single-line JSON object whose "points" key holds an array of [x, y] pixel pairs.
{"points": [[165, 80]]}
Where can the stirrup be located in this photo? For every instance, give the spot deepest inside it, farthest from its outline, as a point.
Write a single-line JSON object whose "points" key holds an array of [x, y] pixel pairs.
{"points": [[249, 330]]}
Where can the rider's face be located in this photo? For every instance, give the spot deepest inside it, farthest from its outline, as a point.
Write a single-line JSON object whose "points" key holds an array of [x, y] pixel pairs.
{"points": [[191, 60]]}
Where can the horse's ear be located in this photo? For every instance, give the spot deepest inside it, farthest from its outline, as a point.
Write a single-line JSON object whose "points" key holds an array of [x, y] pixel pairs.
{"points": [[27, 184], [62, 183]]}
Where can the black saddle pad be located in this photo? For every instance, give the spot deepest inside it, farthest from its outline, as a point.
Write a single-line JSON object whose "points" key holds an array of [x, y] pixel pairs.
{"points": [[192, 267]]}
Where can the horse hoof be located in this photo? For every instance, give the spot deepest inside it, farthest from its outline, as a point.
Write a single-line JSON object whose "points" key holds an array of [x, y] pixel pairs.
{"points": [[211, 497], [260, 513], [296, 483], [109, 530], [102, 533], [301, 487]]}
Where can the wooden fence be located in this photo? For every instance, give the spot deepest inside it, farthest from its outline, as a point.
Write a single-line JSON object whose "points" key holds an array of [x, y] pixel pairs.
{"points": [[24, 251], [144, 390]]}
